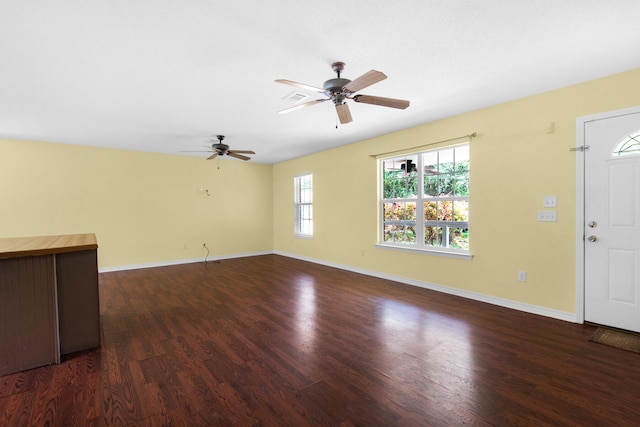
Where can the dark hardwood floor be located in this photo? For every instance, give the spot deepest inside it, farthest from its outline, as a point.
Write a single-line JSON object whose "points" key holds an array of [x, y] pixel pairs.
{"points": [[273, 341]]}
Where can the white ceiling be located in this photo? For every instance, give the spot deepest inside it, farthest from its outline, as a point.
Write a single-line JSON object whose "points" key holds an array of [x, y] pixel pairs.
{"points": [[166, 75]]}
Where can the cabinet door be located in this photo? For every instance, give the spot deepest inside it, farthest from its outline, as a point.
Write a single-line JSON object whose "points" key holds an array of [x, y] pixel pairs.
{"points": [[28, 328], [78, 301]]}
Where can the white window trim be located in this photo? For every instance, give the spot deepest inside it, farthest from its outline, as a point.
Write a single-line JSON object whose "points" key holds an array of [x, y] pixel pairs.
{"points": [[297, 204], [444, 252], [436, 250]]}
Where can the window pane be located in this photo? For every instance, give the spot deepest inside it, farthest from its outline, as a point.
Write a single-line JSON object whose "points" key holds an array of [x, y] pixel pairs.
{"points": [[445, 156], [461, 210], [393, 211], [630, 144], [305, 219], [305, 212], [459, 238], [410, 211], [462, 155], [450, 237], [390, 182], [446, 182], [409, 235], [412, 185], [389, 232], [430, 211], [430, 162], [461, 184], [303, 189], [400, 234], [398, 185], [305, 196], [445, 211], [388, 211], [387, 190], [431, 184], [409, 164], [400, 179], [399, 211], [432, 236]]}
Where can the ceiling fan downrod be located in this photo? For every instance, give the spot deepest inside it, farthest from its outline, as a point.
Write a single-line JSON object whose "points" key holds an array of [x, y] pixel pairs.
{"points": [[334, 87], [338, 67]]}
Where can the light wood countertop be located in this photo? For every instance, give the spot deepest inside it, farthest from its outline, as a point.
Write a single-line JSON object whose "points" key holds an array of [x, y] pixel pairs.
{"points": [[43, 245]]}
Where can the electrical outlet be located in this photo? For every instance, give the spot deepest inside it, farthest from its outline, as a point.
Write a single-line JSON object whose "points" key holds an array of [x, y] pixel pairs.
{"points": [[522, 276]]}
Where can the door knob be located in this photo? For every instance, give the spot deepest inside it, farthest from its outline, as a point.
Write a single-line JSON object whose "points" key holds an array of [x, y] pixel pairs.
{"points": [[592, 238], [592, 224]]}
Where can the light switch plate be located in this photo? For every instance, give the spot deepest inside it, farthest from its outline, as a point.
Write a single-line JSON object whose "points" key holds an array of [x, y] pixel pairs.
{"points": [[549, 201]]}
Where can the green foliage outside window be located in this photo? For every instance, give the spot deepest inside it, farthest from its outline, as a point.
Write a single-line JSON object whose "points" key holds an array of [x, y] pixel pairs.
{"points": [[450, 180], [445, 205]]}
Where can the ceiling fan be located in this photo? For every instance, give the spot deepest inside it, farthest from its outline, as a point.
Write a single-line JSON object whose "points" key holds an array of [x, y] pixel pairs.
{"points": [[339, 90], [220, 149]]}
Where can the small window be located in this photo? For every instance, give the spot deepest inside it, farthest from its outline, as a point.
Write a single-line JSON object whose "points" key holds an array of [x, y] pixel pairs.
{"points": [[630, 144], [303, 200], [425, 200]]}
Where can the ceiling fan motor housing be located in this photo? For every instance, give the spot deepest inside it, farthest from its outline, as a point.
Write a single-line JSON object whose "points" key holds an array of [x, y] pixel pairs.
{"points": [[333, 89], [222, 148]]}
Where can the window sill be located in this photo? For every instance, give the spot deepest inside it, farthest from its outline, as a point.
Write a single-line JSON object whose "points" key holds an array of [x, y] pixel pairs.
{"points": [[303, 236], [436, 252]]}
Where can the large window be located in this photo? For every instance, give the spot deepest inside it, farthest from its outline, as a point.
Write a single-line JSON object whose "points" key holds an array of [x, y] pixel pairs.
{"points": [[303, 198], [425, 200]]}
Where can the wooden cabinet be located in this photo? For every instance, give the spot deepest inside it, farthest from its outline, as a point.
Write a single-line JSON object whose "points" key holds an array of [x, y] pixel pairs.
{"points": [[49, 303], [78, 302]]}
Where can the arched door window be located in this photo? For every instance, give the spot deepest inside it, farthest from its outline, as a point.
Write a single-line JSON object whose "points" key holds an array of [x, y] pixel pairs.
{"points": [[630, 144]]}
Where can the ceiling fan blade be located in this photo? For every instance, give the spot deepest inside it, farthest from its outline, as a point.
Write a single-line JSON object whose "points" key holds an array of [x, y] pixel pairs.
{"points": [[241, 151], [213, 156], [385, 102], [300, 85], [343, 113], [365, 80], [304, 105], [238, 156]]}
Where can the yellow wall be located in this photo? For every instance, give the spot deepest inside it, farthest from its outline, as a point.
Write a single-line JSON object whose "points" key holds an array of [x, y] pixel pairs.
{"points": [[144, 208], [515, 163]]}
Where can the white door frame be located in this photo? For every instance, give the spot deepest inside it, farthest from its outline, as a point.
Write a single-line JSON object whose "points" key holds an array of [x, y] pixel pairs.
{"points": [[580, 189]]}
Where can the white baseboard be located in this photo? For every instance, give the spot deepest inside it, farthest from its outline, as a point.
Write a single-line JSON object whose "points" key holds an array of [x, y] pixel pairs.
{"points": [[502, 302], [180, 261]]}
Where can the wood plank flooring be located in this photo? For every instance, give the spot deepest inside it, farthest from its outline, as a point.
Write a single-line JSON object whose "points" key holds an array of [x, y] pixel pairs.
{"points": [[273, 341]]}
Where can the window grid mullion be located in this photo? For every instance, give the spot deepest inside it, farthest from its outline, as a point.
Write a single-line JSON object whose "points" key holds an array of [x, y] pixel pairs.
{"points": [[420, 204]]}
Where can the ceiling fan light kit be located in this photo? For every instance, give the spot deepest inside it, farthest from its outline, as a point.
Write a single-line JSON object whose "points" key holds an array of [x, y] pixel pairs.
{"points": [[339, 90]]}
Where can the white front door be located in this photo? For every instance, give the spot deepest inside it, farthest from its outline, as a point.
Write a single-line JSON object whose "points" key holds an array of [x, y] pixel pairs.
{"points": [[612, 220]]}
